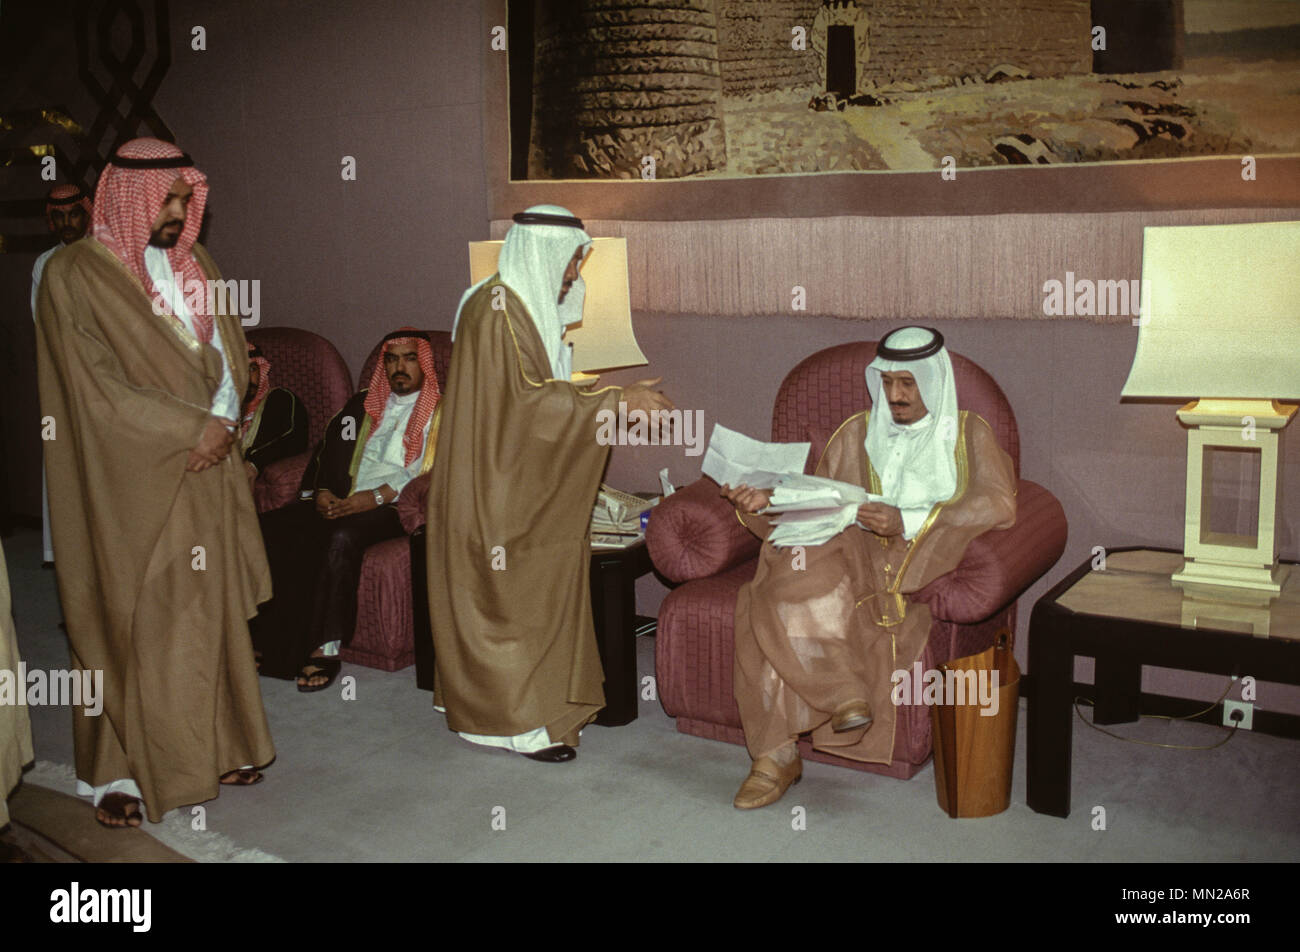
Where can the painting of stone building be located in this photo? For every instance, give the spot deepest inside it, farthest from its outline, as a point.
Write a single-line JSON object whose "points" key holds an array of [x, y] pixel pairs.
{"points": [[670, 89]]}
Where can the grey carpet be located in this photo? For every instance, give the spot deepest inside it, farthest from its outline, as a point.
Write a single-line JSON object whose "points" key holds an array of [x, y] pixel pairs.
{"points": [[381, 778]]}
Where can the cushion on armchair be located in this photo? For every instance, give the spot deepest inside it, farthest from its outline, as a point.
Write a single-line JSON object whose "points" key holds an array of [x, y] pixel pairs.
{"points": [[277, 485], [694, 534], [411, 508], [1000, 564]]}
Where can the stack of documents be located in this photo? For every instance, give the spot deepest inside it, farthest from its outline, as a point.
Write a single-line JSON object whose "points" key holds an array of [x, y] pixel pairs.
{"points": [[812, 510], [616, 518], [809, 510]]}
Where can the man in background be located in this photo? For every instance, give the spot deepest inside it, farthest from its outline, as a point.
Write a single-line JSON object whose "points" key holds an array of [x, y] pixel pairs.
{"points": [[15, 724], [272, 420], [67, 212]]}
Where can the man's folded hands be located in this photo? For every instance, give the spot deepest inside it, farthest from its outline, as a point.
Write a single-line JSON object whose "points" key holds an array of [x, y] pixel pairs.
{"points": [[214, 445]]}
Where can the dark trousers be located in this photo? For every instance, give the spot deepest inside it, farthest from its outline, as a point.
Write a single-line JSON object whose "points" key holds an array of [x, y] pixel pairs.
{"points": [[315, 570]]}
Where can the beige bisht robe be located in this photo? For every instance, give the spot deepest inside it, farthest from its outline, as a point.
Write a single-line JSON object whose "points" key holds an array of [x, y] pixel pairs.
{"points": [[808, 640], [15, 725], [130, 393], [517, 467]]}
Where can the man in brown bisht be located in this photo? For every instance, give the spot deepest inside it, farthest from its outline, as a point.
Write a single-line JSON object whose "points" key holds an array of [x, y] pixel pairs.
{"points": [[160, 561], [515, 477], [820, 632], [15, 724]]}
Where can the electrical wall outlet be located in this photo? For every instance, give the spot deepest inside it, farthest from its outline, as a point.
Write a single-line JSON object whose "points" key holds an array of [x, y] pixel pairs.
{"points": [[1246, 709]]}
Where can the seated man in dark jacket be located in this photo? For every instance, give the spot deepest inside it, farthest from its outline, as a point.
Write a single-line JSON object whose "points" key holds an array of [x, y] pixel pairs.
{"points": [[272, 421], [382, 439]]}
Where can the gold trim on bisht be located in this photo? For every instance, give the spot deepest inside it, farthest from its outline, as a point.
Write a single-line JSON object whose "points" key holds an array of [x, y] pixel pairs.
{"points": [[894, 603], [520, 357]]}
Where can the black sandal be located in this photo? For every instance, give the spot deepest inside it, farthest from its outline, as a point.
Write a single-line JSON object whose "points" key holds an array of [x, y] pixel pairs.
{"points": [[114, 806], [243, 777], [328, 668]]}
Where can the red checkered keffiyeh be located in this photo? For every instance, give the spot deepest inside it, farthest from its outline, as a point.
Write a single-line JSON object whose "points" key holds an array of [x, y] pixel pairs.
{"points": [[127, 201], [63, 195], [255, 356], [430, 393]]}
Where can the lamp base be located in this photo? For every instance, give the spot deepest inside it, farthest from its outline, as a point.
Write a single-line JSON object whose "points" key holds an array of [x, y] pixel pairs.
{"points": [[1259, 578]]}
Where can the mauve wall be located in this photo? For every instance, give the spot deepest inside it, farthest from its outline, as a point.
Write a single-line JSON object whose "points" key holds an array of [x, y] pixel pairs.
{"points": [[286, 88]]}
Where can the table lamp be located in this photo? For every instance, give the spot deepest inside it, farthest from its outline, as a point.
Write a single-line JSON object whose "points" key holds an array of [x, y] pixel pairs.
{"points": [[1220, 322], [604, 340]]}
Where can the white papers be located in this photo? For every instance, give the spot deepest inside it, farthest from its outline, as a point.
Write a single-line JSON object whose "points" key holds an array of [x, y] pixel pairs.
{"points": [[812, 510], [807, 510], [665, 484], [733, 459], [797, 492]]}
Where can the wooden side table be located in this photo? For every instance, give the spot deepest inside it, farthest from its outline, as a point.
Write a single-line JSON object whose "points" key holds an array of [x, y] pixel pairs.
{"points": [[1129, 614], [613, 608]]}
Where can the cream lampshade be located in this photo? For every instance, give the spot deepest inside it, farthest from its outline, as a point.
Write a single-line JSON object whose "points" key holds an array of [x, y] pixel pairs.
{"points": [[604, 340], [1221, 324]]}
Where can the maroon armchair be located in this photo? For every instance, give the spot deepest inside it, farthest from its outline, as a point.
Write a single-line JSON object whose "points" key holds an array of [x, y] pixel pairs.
{"points": [[695, 539]]}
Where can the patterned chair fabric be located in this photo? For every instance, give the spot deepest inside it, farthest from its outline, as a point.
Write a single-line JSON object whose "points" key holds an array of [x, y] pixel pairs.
{"points": [[695, 539]]}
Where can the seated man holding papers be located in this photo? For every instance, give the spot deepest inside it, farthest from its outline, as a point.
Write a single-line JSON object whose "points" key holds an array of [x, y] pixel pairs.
{"points": [[897, 497]]}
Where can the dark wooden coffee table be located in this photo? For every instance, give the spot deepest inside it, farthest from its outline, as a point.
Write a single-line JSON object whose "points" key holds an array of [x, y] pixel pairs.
{"points": [[1128, 615], [613, 610]]}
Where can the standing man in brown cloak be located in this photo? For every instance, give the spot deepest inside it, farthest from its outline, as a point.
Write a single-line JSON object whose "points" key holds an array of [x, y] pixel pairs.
{"points": [[15, 723], [515, 477], [818, 637], [160, 561]]}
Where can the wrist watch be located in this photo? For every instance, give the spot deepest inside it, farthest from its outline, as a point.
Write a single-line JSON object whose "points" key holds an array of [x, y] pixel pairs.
{"points": [[379, 497]]}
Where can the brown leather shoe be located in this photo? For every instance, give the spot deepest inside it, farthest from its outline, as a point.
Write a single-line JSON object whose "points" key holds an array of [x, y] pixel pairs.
{"points": [[851, 715], [767, 783]]}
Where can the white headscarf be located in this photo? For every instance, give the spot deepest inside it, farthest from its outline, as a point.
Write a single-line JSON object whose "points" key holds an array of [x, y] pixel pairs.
{"points": [[532, 264], [915, 461]]}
